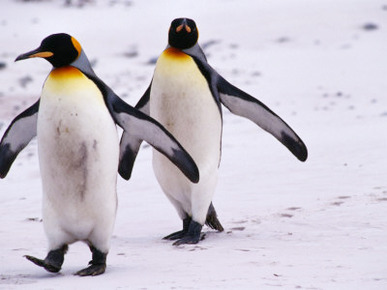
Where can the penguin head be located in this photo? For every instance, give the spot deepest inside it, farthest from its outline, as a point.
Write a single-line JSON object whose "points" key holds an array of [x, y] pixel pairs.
{"points": [[59, 49], [183, 33]]}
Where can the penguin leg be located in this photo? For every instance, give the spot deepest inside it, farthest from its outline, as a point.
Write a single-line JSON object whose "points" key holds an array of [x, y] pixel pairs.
{"points": [[212, 219], [54, 260], [97, 264], [193, 236], [180, 234]]}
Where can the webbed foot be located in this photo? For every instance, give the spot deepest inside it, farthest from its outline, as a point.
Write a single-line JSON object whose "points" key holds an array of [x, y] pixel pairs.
{"points": [[92, 270], [53, 262], [193, 235], [97, 264]]}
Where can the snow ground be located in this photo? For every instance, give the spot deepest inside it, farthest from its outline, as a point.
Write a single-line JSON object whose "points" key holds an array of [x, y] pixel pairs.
{"points": [[314, 225]]}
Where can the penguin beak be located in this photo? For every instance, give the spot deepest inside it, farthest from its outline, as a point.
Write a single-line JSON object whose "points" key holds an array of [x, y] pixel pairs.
{"points": [[35, 53]]}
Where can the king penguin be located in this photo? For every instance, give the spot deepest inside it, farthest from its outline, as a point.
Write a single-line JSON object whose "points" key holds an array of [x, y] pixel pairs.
{"points": [[185, 95], [75, 122]]}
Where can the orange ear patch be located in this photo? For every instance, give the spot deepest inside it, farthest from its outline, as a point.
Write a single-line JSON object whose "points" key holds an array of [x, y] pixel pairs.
{"points": [[76, 45]]}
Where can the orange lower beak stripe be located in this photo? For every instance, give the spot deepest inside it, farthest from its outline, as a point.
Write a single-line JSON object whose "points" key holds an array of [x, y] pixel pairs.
{"points": [[43, 54]]}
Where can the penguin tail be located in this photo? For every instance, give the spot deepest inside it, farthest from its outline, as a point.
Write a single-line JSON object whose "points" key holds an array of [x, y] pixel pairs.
{"points": [[212, 220]]}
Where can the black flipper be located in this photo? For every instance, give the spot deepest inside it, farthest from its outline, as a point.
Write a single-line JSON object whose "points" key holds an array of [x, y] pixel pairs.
{"points": [[17, 136], [140, 127], [143, 103], [242, 104], [129, 145]]}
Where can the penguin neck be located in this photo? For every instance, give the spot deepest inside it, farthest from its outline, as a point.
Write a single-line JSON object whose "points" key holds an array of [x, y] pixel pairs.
{"points": [[175, 53], [70, 83], [65, 72], [82, 63]]}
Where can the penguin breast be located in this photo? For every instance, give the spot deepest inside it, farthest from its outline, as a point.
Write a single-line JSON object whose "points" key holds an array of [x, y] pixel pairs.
{"points": [[181, 100], [77, 140]]}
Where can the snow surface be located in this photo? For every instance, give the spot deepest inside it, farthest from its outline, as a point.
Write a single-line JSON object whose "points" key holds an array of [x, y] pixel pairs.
{"points": [[321, 65]]}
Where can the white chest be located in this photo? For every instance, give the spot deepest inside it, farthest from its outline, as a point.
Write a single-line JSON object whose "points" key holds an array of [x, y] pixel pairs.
{"points": [[77, 138], [182, 101]]}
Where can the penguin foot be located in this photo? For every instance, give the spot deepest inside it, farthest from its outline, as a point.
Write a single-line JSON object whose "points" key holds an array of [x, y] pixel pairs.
{"points": [[42, 263], [92, 270], [212, 219], [190, 240], [97, 264], [53, 262], [193, 236]]}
